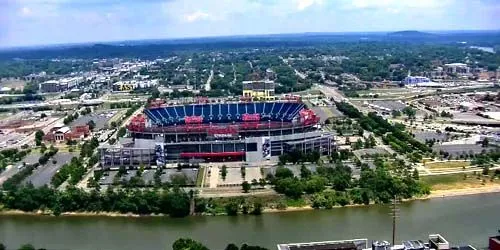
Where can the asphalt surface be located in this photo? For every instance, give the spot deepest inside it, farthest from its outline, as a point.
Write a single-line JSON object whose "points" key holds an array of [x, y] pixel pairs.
{"points": [[458, 149], [43, 174], [421, 136], [100, 118], [9, 172], [148, 175]]}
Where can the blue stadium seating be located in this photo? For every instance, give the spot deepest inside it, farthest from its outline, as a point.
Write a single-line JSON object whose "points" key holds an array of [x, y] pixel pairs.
{"points": [[224, 113]]}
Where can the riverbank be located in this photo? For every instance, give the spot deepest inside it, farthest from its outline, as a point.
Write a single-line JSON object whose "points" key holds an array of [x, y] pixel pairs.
{"points": [[437, 194]]}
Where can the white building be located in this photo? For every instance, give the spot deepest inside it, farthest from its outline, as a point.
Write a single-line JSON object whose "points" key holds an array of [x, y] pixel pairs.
{"points": [[457, 68]]}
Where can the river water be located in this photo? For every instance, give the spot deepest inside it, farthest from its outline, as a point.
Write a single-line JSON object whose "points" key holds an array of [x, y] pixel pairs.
{"points": [[468, 219]]}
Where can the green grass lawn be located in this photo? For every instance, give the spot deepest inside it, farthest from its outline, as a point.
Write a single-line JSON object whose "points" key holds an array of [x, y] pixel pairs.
{"points": [[448, 164], [200, 176], [457, 181]]}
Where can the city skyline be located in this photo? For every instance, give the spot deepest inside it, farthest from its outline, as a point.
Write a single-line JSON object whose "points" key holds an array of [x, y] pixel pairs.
{"points": [[44, 22]]}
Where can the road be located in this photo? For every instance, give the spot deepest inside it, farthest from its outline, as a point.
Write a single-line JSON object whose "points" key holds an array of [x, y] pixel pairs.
{"points": [[234, 74], [209, 80], [470, 169], [331, 92], [298, 73]]}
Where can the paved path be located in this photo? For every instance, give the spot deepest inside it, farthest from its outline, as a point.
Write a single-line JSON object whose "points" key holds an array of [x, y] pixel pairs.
{"points": [[208, 87]]}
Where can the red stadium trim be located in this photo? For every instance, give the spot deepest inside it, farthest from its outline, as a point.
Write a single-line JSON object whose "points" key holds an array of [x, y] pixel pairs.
{"points": [[206, 155]]}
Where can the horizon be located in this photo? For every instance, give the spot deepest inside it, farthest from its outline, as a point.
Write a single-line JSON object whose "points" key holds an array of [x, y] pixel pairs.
{"points": [[25, 23], [242, 36]]}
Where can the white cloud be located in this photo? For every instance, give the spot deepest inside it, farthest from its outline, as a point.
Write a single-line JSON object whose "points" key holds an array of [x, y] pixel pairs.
{"points": [[304, 4], [397, 4], [197, 16], [25, 11]]}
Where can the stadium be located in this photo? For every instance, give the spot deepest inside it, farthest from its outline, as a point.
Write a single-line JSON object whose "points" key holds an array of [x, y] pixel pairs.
{"points": [[218, 132]]}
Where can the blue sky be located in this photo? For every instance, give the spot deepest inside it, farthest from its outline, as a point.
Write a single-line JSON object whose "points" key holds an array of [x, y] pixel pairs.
{"points": [[38, 22]]}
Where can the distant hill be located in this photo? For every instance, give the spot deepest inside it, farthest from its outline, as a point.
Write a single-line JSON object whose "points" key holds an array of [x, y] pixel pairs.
{"points": [[411, 34]]}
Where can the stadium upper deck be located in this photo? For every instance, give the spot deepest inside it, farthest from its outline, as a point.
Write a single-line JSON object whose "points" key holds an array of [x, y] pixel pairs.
{"points": [[210, 117], [224, 113]]}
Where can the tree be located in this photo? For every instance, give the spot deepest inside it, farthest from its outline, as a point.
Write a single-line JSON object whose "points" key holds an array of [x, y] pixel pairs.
{"points": [[91, 124], [282, 172], [232, 208], [291, 187], [39, 137], [415, 174], [262, 182], [178, 203], [188, 244], [231, 247], [358, 144], [410, 112], [178, 179], [305, 172], [246, 186], [27, 247], [113, 124], [243, 172], [223, 172], [121, 132], [43, 148], [486, 170], [484, 142], [257, 208], [396, 113]]}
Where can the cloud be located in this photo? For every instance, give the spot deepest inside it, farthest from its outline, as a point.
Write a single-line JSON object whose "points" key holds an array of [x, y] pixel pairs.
{"points": [[25, 11], [396, 4], [304, 4], [27, 21], [197, 16]]}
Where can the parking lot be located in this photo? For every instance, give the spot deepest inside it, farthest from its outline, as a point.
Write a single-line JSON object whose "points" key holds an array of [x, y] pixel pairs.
{"points": [[10, 138], [100, 119], [148, 175], [459, 149], [43, 174], [326, 112], [422, 136], [14, 168]]}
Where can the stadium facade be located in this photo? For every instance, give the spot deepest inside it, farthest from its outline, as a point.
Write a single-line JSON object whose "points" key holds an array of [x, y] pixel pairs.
{"points": [[214, 132]]}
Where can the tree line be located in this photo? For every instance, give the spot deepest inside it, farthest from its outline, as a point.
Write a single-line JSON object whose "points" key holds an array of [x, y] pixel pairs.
{"points": [[393, 135], [179, 244], [174, 202], [334, 185]]}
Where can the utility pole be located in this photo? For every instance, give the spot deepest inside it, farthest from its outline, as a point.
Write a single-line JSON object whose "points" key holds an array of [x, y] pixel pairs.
{"points": [[394, 214]]}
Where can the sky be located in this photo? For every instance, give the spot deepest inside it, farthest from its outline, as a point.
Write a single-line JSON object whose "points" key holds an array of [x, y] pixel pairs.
{"points": [[41, 22]]}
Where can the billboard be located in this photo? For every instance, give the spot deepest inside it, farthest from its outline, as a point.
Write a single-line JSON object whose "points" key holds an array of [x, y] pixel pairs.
{"points": [[266, 148]]}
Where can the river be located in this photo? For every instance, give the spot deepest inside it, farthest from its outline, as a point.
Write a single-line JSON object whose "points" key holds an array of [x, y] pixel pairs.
{"points": [[468, 219]]}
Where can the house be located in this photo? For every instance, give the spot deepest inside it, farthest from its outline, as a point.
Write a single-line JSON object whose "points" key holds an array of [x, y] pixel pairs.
{"points": [[65, 133]]}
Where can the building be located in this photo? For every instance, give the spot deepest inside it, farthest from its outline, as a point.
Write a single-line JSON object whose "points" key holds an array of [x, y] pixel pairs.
{"points": [[61, 85], [356, 244], [60, 134], [436, 242], [259, 90], [216, 132], [134, 84], [494, 242], [457, 68], [51, 86], [414, 80]]}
